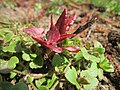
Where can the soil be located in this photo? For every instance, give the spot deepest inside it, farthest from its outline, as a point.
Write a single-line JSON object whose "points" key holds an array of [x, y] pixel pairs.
{"points": [[105, 29]]}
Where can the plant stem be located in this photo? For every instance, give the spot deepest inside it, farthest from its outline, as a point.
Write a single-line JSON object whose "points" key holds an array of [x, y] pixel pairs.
{"points": [[53, 87], [19, 72]]}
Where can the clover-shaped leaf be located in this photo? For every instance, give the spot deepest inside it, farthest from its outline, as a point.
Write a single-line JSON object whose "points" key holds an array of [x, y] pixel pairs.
{"points": [[12, 62], [4, 66], [26, 57]]}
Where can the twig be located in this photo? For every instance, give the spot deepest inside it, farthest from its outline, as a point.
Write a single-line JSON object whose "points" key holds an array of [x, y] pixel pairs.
{"points": [[88, 24], [19, 72], [36, 76]]}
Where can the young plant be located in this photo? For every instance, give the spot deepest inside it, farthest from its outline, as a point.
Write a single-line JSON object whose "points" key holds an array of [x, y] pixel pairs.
{"points": [[27, 61], [56, 34]]}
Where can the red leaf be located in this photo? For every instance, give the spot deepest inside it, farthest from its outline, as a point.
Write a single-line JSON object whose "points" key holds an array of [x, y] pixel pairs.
{"points": [[61, 21], [53, 48], [71, 19], [64, 22], [53, 33], [64, 36], [34, 32]]}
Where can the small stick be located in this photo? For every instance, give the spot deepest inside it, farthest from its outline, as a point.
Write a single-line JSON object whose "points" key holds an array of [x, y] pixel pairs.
{"points": [[88, 24]]}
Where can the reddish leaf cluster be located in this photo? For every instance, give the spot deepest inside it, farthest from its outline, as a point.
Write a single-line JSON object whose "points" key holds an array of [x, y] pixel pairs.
{"points": [[56, 34]]}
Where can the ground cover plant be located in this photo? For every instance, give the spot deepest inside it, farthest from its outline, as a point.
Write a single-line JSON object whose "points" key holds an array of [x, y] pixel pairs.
{"points": [[54, 57]]}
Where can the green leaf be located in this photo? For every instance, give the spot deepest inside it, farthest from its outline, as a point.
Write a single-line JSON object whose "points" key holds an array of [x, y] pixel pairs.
{"points": [[88, 45], [4, 85], [14, 46], [100, 74], [58, 60], [4, 67], [26, 57], [12, 75], [78, 41], [21, 86], [14, 59], [42, 87], [85, 73], [68, 42], [12, 62], [2, 33], [91, 72], [33, 55], [8, 37], [94, 59], [34, 66], [37, 62], [71, 76], [85, 53], [93, 66], [52, 81], [99, 50], [93, 83], [106, 65], [30, 79], [97, 45], [78, 56], [39, 82]]}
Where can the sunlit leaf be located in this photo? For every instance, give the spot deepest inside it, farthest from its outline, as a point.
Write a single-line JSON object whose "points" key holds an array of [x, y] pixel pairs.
{"points": [[52, 81], [100, 74], [8, 37], [71, 76], [94, 59], [85, 53], [26, 57], [30, 79], [98, 45], [34, 66], [4, 66], [99, 50], [12, 62], [79, 55], [106, 66], [12, 75], [93, 83], [39, 82]]}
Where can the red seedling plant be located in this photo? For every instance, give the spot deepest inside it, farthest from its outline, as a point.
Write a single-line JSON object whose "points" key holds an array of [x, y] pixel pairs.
{"points": [[56, 34]]}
